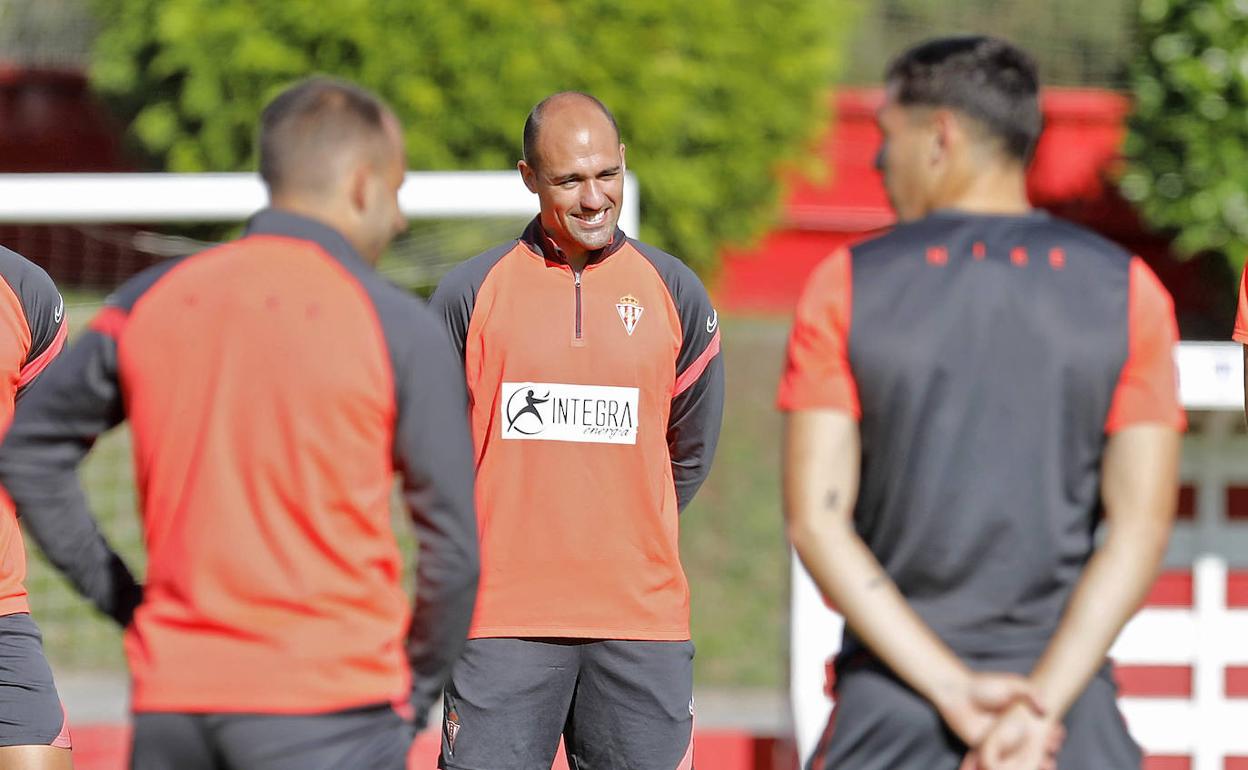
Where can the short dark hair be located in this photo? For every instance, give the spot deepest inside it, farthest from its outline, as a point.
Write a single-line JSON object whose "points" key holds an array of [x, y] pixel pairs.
{"points": [[985, 78], [533, 124], [305, 124]]}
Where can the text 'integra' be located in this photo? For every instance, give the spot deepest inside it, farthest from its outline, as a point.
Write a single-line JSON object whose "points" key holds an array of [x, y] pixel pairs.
{"points": [[547, 411]]}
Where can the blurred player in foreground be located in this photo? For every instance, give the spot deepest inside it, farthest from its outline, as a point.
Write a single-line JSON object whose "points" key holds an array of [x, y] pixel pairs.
{"points": [[596, 385], [273, 385], [34, 734], [967, 396]]}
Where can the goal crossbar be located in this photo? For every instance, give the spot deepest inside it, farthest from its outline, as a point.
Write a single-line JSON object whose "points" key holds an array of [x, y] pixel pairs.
{"points": [[211, 197]]}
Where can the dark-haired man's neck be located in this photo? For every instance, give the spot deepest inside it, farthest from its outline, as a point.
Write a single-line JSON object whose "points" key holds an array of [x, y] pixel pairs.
{"points": [[1000, 189]]}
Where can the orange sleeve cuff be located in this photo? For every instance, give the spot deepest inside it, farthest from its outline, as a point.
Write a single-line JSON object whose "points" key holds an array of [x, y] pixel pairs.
{"points": [[817, 373], [1148, 387]]}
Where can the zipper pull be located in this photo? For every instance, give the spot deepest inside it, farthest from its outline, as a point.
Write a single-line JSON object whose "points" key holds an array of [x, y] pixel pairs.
{"points": [[576, 276]]}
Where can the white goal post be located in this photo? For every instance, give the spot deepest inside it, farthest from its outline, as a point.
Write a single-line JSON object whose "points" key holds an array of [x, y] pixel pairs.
{"points": [[151, 198]]}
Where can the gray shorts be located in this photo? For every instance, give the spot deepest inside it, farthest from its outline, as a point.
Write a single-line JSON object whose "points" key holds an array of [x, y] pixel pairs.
{"points": [[881, 724], [617, 704], [31, 713], [375, 737]]}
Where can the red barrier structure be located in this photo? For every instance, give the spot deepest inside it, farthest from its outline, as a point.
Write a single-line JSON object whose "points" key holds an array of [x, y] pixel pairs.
{"points": [[1072, 176], [52, 124]]}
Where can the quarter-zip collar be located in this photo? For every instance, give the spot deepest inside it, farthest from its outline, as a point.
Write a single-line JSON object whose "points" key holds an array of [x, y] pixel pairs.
{"points": [[286, 224], [538, 242]]}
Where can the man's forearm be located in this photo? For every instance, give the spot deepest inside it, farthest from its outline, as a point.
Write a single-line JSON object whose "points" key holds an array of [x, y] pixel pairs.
{"points": [[1139, 488], [693, 432], [851, 577], [821, 467], [55, 512], [1114, 583], [821, 471], [446, 595]]}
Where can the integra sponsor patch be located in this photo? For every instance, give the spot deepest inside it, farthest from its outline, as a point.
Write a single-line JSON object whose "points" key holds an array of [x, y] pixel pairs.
{"points": [[551, 411]]}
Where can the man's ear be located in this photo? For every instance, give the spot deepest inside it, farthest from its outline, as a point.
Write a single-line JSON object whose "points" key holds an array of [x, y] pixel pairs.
{"points": [[529, 175], [948, 133], [358, 187], [623, 163]]}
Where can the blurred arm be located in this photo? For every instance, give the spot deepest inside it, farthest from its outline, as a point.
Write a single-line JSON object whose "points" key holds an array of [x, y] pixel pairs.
{"points": [[1139, 487], [433, 454], [698, 401], [56, 422], [1140, 491], [822, 455], [45, 317]]}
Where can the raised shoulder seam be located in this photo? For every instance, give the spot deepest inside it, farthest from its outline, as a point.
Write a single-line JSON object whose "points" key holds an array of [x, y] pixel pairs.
{"points": [[39, 303], [387, 308], [129, 294], [380, 296], [672, 272], [467, 277], [406, 303], [454, 302], [13, 273], [22, 315]]}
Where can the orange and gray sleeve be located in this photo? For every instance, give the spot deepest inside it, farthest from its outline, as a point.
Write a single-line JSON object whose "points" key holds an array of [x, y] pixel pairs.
{"points": [[456, 296], [1148, 390], [44, 311], [817, 372], [697, 411], [434, 458], [54, 426]]}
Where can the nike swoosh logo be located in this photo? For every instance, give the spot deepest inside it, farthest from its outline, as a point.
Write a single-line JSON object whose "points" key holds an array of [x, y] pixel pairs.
{"points": [[712, 321], [60, 311]]}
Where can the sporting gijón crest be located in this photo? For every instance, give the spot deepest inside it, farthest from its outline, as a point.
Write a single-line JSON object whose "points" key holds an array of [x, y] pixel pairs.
{"points": [[630, 311]]}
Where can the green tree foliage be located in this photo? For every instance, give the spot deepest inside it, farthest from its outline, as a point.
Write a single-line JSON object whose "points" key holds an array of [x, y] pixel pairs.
{"points": [[1187, 146], [712, 97], [1075, 42]]}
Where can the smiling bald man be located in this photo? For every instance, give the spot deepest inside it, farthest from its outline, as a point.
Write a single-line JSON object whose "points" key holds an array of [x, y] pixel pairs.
{"points": [[596, 389]]}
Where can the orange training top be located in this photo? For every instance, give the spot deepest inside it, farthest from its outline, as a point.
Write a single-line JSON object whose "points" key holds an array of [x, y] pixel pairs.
{"points": [[596, 401], [32, 334], [273, 387]]}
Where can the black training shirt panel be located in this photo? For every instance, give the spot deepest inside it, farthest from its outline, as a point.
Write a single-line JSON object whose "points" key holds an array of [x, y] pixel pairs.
{"points": [[986, 351]]}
